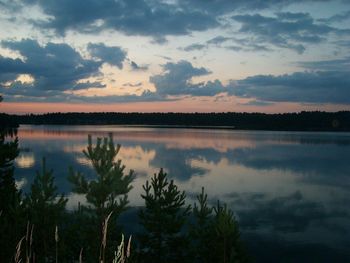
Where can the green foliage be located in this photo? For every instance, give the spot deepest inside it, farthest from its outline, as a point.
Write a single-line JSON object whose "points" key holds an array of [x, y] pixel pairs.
{"points": [[43, 195], [9, 196], [106, 194], [202, 230], [215, 234], [44, 209], [8, 151], [229, 247], [163, 219], [11, 222]]}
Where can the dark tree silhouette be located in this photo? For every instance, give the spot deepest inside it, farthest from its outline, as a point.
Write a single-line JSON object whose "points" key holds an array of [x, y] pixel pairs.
{"points": [[303, 121], [10, 197], [215, 234], [108, 193], [228, 246], [163, 219], [44, 209], [202, 230]]}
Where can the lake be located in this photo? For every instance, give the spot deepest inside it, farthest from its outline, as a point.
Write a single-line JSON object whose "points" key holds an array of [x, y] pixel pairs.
{"points": [[289, 190]]}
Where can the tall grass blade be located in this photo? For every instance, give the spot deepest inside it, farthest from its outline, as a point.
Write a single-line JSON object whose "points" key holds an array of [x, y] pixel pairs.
{"points": [[129, 247], [81, 255], [56, 240], [104, 238], [18, 251]]}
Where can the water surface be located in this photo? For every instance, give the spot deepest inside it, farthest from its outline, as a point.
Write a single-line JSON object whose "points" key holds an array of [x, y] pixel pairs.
{"points": [[289, 190]]}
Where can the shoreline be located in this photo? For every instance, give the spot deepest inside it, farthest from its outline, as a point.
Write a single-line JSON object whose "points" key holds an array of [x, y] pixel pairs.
{"points": [[198, 127]]}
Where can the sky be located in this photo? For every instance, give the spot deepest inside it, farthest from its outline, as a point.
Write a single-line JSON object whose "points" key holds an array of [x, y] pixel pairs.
{"points": [[174, 55]]}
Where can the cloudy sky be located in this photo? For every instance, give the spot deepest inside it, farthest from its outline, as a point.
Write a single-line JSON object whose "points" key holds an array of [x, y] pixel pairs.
{"points": [[174, 55]]}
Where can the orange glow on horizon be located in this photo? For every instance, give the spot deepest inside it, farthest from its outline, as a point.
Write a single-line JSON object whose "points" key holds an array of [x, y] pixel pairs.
{"points": [[186, 105]]}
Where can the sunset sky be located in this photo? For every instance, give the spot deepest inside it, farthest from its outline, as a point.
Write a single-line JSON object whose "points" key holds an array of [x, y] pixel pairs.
{"points": [[174, 55]]}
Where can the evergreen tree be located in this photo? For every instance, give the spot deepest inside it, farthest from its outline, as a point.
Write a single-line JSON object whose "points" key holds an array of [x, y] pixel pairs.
{"points": [[214, 233], [163, 219], [11, 222], [45, 210], [106, 194], [8, 191], [202, 231], [228, 245]]}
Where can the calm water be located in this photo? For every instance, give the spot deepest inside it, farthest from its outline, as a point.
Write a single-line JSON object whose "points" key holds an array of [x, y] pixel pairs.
{"points": [[290, 191]]}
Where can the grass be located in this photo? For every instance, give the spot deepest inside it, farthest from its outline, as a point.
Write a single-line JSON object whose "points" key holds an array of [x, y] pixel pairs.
{"points": [[121, 255]]}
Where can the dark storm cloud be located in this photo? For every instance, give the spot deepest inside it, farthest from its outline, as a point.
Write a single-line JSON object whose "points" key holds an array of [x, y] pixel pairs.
{"points": [[286, 30], [327, 82], [336, 18], [58, 68], [220, 7], [240, 44], [23, 94], [18, 91], [308, 87], [133, 85], [145, 96], [218, 40], [53, 66], [10, 68], [234, 48], [140, 17], [5, 77], [10, 5], [157, 19], [342, 64], [176, 80], [342, 43], [111, 55], [136, 67], [193, 47], [247, 45]]}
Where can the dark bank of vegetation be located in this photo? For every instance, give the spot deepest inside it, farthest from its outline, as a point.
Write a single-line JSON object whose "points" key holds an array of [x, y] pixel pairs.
{"points": [[303, 121], [37, 227], [7, 121]]}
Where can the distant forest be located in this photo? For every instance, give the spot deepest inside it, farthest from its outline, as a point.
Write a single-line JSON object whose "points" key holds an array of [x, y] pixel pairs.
{"points": [[303, 121]]}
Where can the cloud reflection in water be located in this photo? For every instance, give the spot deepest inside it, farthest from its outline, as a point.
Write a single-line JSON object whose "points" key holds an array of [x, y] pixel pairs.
{"points": [[290, 186]]}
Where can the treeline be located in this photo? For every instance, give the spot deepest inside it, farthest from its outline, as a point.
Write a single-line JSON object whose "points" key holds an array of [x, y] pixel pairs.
{"points": [[8, 121], [37, 227], [303, 121]]}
